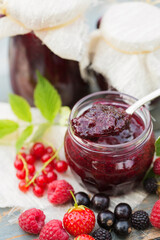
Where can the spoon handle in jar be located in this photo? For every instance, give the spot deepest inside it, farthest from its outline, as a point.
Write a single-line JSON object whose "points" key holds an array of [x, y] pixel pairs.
{"points": [[142, 101]]}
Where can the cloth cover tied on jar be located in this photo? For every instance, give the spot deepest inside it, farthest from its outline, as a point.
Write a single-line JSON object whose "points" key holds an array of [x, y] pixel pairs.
{"points": [[59, 24], [126, 48]]}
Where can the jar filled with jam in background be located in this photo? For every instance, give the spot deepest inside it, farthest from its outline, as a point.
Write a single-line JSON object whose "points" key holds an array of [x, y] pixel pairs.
{"points": [[27, 54], [116, 163]]}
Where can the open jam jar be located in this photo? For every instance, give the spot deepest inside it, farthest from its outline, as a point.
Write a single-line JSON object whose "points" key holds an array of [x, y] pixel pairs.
{"points": [[114, 164], [28, 54]]}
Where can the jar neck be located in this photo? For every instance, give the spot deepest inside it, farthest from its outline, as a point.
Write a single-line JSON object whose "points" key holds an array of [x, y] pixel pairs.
{"points": [[136, 143]]}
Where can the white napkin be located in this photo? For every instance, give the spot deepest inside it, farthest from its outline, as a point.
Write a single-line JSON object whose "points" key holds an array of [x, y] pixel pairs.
{"points": [[59, 24], [126, 48], [10, 195]]}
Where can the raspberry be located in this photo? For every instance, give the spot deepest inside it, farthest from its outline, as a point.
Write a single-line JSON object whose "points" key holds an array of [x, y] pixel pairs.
{"points": [[140, 220], [155, 215], [150, 185], [53, 230], [102, 234], [32, 220], [156, 166], [59, 192]]}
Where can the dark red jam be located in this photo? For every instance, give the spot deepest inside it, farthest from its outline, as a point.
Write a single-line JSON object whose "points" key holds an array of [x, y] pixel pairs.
{"points": [[112, 163], [101, 120], [28, 54]]}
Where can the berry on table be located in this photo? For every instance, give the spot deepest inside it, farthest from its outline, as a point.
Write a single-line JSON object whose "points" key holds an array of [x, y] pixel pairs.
{"points": [[156, 166], [140, 220], [100, 201], [105, 219], [59, 192], [61, 166], [18, 164], [41, 181], [102, 234], [30, 159], [32, 221], [155, 215], [150, 185], [84, 237], [53, 230], [45, 157], [122, 211], [22, 186], [38, 191], [47, 169], [82, 198], [51, 176], [50, 150], [122, 228], [38, 150], [21, 174], [79, 220], [31, 168]]}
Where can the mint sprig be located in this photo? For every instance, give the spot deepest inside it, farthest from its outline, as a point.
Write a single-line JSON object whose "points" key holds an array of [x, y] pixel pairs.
{"points": [[7, 127], [46, 98], [23, 137], [20, 107]]}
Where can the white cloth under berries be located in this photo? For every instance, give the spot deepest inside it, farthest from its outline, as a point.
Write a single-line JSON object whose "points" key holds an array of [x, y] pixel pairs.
{"points": [[10, 196], [59, 24], [126, 48]]}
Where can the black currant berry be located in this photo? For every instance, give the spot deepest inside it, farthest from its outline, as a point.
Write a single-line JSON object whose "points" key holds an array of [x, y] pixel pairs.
{"points": [[100, 202], [106, 219], [122, 228], [82, 199], [122, 211]]}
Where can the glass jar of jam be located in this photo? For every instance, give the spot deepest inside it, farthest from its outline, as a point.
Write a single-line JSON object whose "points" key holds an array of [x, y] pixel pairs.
{"points": [[117, 163], [28, 54]]}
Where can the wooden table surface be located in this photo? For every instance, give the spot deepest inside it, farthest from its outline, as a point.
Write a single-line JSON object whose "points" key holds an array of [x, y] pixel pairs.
{"points": [[9, 232]]}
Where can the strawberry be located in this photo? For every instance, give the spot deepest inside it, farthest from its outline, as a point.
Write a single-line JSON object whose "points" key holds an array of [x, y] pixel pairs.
{"points": [[156, 166], [84, 237], [79, 220]]}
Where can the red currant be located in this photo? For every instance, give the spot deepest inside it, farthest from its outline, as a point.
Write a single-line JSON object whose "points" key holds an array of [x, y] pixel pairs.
{"points": [[47, 169], [45, 157], [31, 168], [22, 186], [18, 164], [20, 154], [38, 150], [21, 174], [61, 166], [50, 150], [51, 176], [30, 159], [41, 181], [38, 191]]}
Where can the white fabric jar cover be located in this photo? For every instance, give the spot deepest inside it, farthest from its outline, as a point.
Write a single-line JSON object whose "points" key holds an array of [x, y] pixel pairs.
{"points": [[59, 24], [126, 48]]}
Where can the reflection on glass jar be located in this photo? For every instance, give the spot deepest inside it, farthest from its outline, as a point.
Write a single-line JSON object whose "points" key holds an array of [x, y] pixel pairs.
{"points": [[27, 54], [113, 164]]}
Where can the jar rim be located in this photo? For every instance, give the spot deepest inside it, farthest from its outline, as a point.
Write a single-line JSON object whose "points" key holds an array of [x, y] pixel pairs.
{"points": [[103, 147]]}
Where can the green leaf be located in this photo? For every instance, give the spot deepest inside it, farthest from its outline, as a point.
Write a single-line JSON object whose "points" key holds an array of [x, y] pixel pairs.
{"points": [[46, 98], [40, 131], [7, 127], [157, 146], [64, 115], [20, 107], [23, 137]]}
